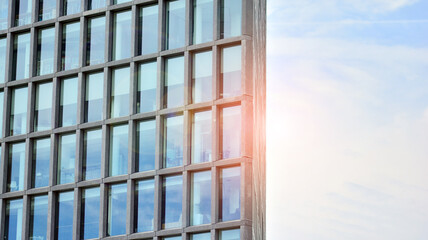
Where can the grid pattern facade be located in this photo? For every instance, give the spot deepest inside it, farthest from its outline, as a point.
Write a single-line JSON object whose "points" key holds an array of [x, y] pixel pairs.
{"points": [[36, 125]]}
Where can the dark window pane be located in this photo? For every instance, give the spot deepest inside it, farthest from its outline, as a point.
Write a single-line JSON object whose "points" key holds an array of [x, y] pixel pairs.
{"points": [[64, 218], [200, 208], [174, 82], [92, 155], [144, 203], [39, 218], [4, 7], [122, 35], [233, 234], [41, 160], [176, 20], [16, 167], [230, 72], [68, 102], [94, 97], [230, 194], [201, 236], [116, 224], [70, 46], [43, 107], [45, 51], [90, 213], [13, 219], [146, 93], [231, 15], [118, 150], [172, 200], [202, 21], [66, 158], [119, 100], [23, 12], [202, 74], [21, 56], [18, 111], [149, 29], [47, 9], [173, 141], [231, 132], [71, 6], [201, 138], [96, 41], [146, 145]]}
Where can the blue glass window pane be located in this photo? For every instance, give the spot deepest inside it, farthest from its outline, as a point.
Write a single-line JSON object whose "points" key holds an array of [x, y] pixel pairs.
{"points": [[173, 142], [231, 132], [119, 101], [176, 20], [4, 8], [146, 93], [231, 17], [13, 219], [90, 213], [18, 111], [39, 217], [146, 145], [47, 9], [71, 7], [23, 12], [3, 43], [119, 150], [201, 236], [92, 155], [68, 102], [96, 40], [45, 51], [145, 203], [43, 107], [202, 21], [64, 220], [1, 113], [70, 46], [172, 200], [230, 72], [66, 158], [116, 224], [16, 167], [200, 208], [202, 74], [21, 57], [230, 194], [122, 35], [233, 234], [172, 238], [94, 4], [174, 82], [120, 1], [202, 137], [149, 29], [94, 97], [41, 160]]}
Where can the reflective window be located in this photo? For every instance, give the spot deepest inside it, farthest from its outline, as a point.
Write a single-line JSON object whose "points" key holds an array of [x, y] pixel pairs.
{"points": [[173, 141], [96, 40], [64, 217], [145, 205], [16, 167], [94, 97], [146, 146], [230, 19], [202, 74], [116, 223], [3, 43], [148, 35], [40, 163], [200, 208], [21, 56], [68, 102], [201, 138], [1, 113], [201, 236], [118, 150], [230, 84], [176, 22], [70, 46], [172, 238], [90, 213], [174, 82], [71, 7], [233, 234], [231, 132], [23, 12], [66, 158], [4, 9], [47, 9], [172, 199], [13, 219], [91, 166], [119, 100], [202, 21], [43, 107], [146, 91], [45, 51], [18, 111], [39, 217], [122, 35], [120, 1], [230, 194], [94, 4]]}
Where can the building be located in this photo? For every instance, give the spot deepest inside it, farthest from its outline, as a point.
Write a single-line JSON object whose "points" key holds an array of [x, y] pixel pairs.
{"points": [[132, 119]]}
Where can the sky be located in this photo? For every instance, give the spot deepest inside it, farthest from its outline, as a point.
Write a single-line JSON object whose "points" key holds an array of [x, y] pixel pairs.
{"points": [[347, 153]]}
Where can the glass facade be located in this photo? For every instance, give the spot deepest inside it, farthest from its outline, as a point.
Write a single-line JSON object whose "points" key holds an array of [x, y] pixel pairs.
{"points": [[43, 107], [91, 162], [90, 214], [94, 97], [16, 167], [45, 51], [230, 18], [1, 114], [4, 7], [70, 45], [18, 111], [96, 40], [66, 158], [3, 55], [23, 12], [230, 194], [148, 34], [146, 89], [230, 84], [39, 217], [119, 99], [202, 77], [233, 234], [202, 137], [68, 102], [13, 219], [200, 201], [231, 132], [176, 23], [94, 4], [203, 21], [144, 205], [71, 7], [172, 202], [41, 162], [116, 223], [47, 9], [118, 160], [201, 236], [64, 217], [174, 82], [21, 56], [122, 35], [173, 141], [145, 146]]}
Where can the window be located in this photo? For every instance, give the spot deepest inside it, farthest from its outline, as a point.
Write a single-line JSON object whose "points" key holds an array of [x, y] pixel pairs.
{"points": [[71, 7], [176, 22], [146, 146], [70, 46], [230, 84], [96, 40], [45, 51], [200, 208], [174, 82], [202, 75], [94, 97], [202, 21], [173, 141], [172, 199], [3, 43], [23, 12], [172, 238], [1, 113], [4, 8], [230, 22], [43, 107], [116, 223], [144, 205], [92, 154], [120, 1], [94, 4], [231, 132], [201, 138], [40, 163], [118, 163], [64, 216], [47, 9], [233, 234], [230, 194], [39, 217], [201, 236], [68, 102], [148, 34], [21, 56], [122, 35], [13, 219], [16, 167], [146, 91], [66, 158], [90, 215], [119, 101], [18, 111]]}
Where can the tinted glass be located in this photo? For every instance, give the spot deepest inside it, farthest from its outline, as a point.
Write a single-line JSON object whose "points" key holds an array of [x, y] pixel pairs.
{"points": [[94, 4], [96, 40], [70, 46], [45, 51], [13, 219], [4, 7], [90, 213], [230, 194], [145, 205], [47, 9], [172, 238], [41, 160], [146, 146], [202, 21], [21, 56], [200, 208], [92, 155], [116, 224], [201, 236], [94, 97], [120, 1], [149, 29], [201, 138], [176, 21], [173, 141], [231, 72], [146, 93], [230, 22], [23, 12], [172, 200], [3, 43], [64, 219], [233, 234], [68, 102], [71, 7], [174, 82], [202, 75], [118, 150], [16, 167], [231, 132], [119, 101], [122, 35], [39, 217], [18, 111], [1, 113], [66, 158], [43, 107]]}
